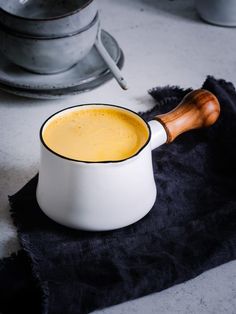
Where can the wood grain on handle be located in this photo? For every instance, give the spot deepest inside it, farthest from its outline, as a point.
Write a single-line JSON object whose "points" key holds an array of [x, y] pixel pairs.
{"points": [[199, 108]]}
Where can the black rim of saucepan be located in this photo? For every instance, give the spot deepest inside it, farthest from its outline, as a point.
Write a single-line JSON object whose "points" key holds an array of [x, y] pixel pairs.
{"points": [[87, 3], [23, 35], [95, 162]]}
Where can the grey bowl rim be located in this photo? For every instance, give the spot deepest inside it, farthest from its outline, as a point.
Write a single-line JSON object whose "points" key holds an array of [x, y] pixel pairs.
{"points": [[119, 60], [49, 18], [16, 34]]}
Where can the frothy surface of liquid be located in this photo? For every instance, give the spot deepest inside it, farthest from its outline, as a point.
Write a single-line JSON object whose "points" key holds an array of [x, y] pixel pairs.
{"points": [[97, 134]]}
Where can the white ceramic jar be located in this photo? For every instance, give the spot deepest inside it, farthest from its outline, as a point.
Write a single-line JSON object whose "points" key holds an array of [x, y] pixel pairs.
{"points": [[219, 12]]}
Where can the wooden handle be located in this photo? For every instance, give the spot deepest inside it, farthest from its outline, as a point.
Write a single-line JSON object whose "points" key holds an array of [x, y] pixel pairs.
{"points": [[199, 108]]}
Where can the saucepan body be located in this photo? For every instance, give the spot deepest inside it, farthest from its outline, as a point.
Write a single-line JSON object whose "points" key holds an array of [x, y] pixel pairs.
{"points": [[96, 195], [106, 195]]}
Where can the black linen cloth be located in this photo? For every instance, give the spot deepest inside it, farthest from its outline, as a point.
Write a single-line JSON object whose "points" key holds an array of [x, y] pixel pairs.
{"points": [[191, 228]]}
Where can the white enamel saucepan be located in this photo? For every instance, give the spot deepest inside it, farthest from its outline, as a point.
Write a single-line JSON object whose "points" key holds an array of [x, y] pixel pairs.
{"points": [[109, 195]]}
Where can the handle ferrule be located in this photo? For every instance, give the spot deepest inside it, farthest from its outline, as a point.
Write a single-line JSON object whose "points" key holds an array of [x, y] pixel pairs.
{"points": [[158, 134]]}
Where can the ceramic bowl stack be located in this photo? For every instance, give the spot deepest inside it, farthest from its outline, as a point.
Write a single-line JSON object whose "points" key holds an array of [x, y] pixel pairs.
{"points": [[42, 37]]}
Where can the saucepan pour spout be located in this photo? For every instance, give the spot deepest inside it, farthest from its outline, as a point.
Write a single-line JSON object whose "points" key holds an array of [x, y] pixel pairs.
{"points": [[199, 108]]}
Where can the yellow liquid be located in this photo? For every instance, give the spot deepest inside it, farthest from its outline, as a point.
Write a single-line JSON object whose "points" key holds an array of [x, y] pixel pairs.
{"points": [[95, 134]]}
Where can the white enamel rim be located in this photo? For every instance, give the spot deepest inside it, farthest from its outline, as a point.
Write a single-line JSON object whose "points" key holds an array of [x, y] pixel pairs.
{"points": [[98, 105]]}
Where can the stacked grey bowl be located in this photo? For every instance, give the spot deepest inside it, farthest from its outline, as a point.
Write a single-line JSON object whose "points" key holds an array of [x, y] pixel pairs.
{"points": [[47, 36]]}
